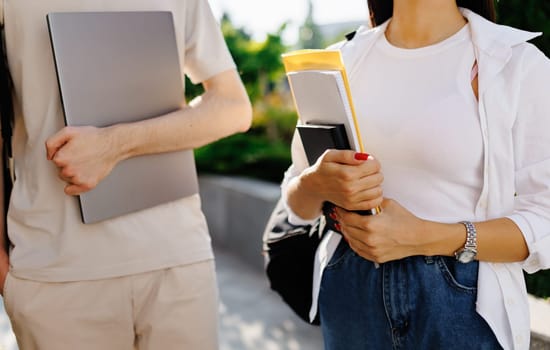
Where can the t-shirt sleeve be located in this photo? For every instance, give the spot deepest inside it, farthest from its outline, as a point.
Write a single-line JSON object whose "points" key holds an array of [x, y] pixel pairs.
{"points": [[206, 52]]}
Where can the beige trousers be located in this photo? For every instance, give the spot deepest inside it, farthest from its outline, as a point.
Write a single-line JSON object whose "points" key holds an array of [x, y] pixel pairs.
{"points": [[175, 308]]}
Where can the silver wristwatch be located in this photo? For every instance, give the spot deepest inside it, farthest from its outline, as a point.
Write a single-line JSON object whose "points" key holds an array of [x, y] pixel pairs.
{"points": [[469, 252]]}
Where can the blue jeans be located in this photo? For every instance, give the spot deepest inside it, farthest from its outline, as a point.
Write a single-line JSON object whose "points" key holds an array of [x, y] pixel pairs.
{"points": [[416, 303]]}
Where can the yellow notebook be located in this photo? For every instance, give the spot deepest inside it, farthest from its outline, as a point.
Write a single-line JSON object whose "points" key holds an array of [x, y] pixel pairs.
{"points": [[321, 92]]}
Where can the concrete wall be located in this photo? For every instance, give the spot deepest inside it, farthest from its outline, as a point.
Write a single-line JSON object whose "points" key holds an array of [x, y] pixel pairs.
{"points": [[237, 210]]}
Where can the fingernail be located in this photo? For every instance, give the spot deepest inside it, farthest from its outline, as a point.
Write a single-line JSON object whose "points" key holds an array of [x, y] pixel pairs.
{"points": [[361, 156], [338, 227], [333, 216]]}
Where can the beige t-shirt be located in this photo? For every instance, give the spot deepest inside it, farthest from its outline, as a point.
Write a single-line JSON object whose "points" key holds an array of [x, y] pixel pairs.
{"points": [[49, 241]]}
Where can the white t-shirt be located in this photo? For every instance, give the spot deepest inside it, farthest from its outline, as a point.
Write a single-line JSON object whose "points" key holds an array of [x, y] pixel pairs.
{"points": [[419, 117], [49, 241]]}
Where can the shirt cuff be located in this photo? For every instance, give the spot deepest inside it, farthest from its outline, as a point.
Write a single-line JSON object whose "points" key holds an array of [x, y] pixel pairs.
{"points": [[539, 247]]}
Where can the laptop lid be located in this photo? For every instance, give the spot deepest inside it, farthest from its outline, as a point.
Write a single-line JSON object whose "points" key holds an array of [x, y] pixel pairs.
{"points": [[119, 67]]}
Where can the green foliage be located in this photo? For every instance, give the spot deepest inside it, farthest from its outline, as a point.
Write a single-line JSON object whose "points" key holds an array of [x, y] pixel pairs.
{"points": [[532, 15], [258, 63], [250, 155], [192, 90], [539, 283], [310, 33], [263, 152]]}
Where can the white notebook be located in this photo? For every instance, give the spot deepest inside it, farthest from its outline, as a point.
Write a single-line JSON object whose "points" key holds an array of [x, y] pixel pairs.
{"points": [[321, 98]]}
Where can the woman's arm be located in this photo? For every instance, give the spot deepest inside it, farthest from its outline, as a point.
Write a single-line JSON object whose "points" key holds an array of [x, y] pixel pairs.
{"points": [[396, 233], [348, 179]]}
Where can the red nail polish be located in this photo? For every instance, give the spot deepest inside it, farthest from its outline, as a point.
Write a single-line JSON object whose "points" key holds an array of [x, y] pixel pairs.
{"points": [[361, 156], [338, 227]]}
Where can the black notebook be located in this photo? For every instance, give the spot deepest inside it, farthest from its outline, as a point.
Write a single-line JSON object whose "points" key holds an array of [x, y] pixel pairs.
{"points": [[317, 138]]}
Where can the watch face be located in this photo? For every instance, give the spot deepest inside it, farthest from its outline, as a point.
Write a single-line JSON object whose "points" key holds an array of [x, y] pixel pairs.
{"points": [[466, 256]]}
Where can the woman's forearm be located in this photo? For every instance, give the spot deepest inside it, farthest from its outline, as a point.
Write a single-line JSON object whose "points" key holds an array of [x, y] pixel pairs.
{"points": [[307, 205], [498, 240]]}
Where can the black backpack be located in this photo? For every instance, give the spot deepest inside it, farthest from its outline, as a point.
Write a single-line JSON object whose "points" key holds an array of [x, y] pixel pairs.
{"points": [[289, 252], [289, 256]]}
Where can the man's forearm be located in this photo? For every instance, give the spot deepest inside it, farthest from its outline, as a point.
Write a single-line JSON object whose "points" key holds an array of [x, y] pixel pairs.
{"points": [[85, 155], [222, 110]]}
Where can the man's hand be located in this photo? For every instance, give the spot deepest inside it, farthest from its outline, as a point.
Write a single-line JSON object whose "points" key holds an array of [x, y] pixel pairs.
{"points": [[83, 155]]}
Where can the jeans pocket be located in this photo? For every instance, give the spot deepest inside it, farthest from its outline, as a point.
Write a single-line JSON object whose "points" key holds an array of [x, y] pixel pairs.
{"points": [[459, 276], [340, 254]]}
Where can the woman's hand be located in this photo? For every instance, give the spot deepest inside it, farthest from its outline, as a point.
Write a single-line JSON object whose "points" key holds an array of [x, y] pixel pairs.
{"points": [[348, 179], [393, 234]]}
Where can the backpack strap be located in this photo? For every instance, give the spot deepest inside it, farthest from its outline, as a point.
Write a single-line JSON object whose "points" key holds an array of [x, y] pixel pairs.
{"points": [[351, 35], [6, 103], [6, 118]]}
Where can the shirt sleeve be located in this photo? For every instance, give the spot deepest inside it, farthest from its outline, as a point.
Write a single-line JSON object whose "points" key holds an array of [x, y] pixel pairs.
{"points": [[299, 164], [532, 160], [206, 53]]}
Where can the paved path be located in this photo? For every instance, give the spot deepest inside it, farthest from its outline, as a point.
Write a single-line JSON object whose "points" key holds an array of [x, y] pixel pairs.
{"points": [[253, 317]]}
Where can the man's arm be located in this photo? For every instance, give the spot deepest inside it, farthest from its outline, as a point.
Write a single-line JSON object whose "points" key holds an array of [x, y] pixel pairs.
{"points": [[223, 109], [86, 155]]}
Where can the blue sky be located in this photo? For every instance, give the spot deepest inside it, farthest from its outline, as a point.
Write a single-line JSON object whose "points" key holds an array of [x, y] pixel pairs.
{"points": [[261, 16]]}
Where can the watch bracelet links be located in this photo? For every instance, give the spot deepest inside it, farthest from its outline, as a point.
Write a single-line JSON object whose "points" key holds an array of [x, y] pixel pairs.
{"points": [[471, 235]]}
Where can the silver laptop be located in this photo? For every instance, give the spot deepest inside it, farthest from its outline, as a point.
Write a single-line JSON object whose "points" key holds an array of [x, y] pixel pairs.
{"points": [[117, 67]]}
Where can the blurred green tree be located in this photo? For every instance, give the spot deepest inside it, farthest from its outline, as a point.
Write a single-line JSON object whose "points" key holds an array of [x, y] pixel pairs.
{"points": [[533, 15], [310, 33], [259, 63], [264, 151]]}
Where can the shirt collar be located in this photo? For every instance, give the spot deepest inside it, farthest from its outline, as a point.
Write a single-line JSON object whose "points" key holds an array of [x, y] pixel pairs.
{"points": [[493, 39]]}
